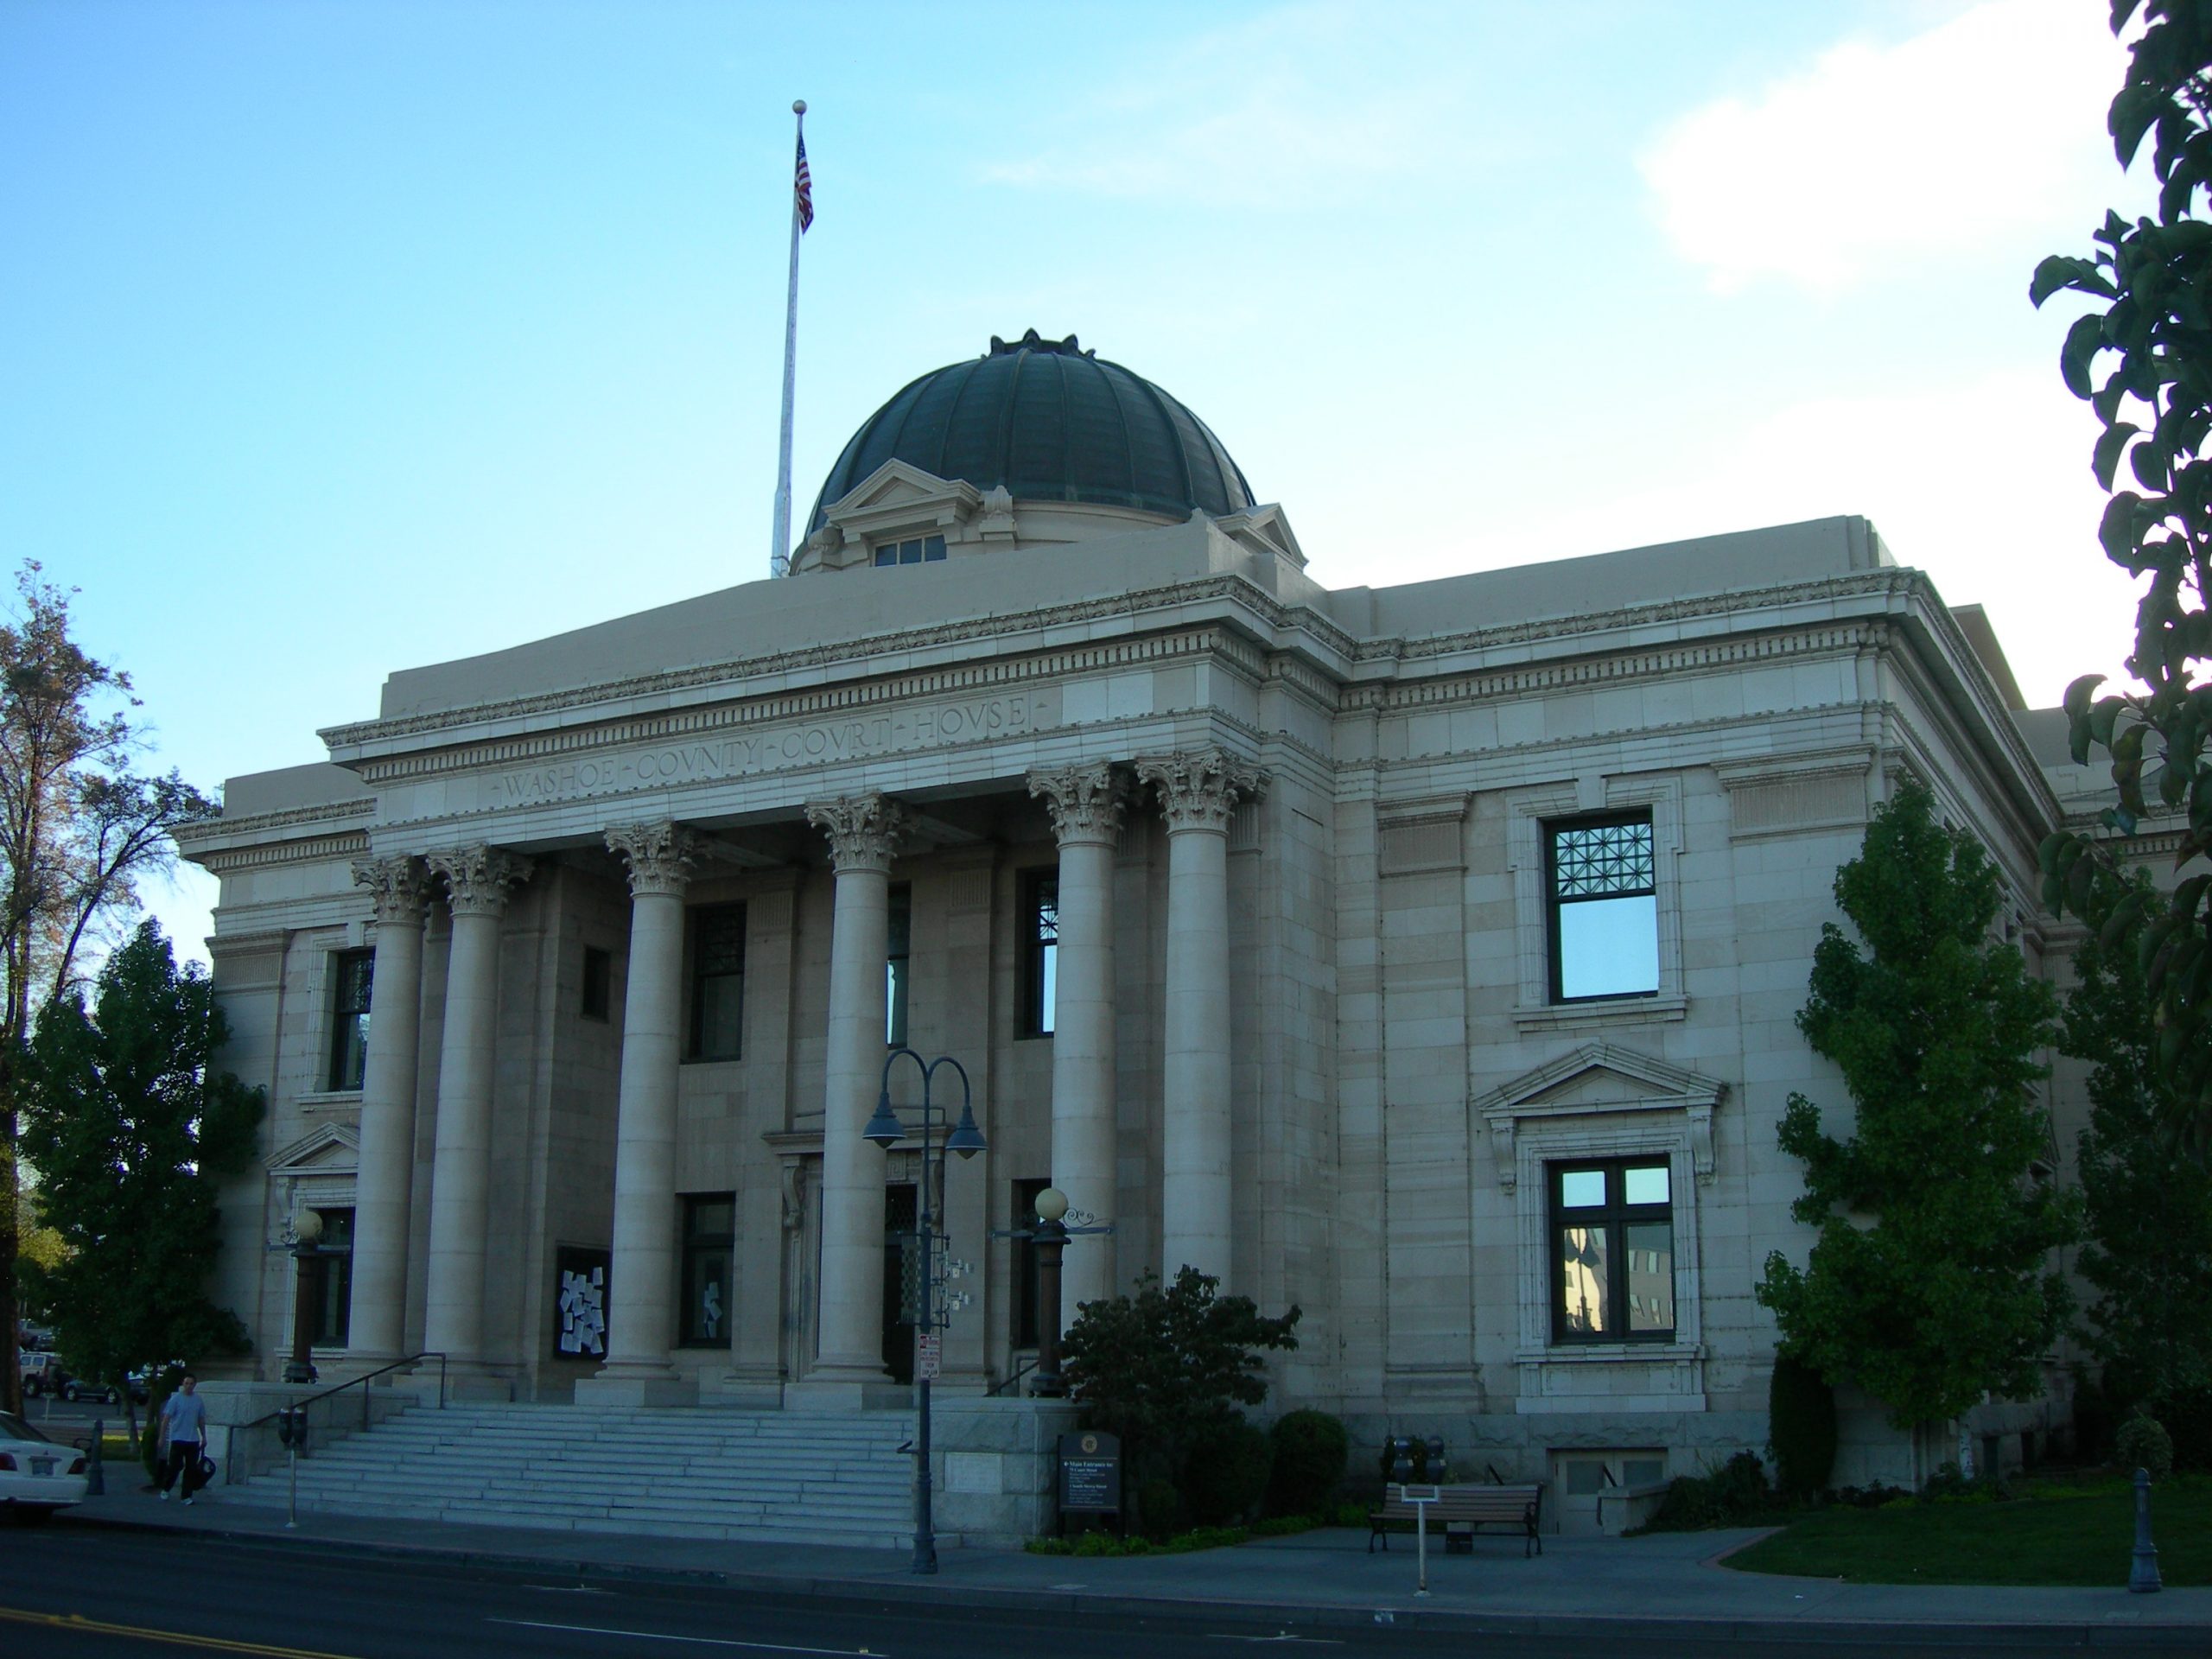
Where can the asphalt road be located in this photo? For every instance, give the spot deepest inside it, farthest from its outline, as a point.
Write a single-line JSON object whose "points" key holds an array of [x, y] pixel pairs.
{"points": [[78, 1592]]}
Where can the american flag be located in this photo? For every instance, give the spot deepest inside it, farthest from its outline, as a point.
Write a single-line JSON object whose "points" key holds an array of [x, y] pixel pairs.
{"points": [[803, 189]]}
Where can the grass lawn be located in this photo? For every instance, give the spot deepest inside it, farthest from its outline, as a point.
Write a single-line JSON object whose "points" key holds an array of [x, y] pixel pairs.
{"points": [[2048, 1534]]}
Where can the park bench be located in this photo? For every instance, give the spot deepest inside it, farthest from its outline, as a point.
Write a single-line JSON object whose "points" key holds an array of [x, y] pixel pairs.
{"points": [[1461, 1510]]}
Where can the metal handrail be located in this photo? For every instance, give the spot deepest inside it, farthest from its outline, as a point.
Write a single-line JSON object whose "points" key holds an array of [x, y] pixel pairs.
{"points": [[1020, 1370], [231, 1452]]}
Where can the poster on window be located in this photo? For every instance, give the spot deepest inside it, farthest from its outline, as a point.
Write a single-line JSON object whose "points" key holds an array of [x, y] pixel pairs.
{"points": [[580, 1303]]}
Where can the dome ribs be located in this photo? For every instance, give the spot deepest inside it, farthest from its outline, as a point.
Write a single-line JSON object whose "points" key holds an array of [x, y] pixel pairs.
{"points": [[1081, 429]]}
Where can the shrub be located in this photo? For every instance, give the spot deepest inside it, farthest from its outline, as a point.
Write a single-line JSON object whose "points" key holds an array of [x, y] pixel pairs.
{"points": [[1159, 1508], [1311, 1448], [1800, 1427], [1732, 1493], [2143, 1443], [1226, 1474]]}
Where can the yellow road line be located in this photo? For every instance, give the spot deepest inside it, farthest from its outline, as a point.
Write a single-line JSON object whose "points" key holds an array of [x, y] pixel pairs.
{"points": [[176, 1638]]}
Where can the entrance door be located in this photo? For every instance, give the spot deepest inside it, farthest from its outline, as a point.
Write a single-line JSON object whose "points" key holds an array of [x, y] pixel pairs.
{"points": [[901, 1276], [1580, 1479]]}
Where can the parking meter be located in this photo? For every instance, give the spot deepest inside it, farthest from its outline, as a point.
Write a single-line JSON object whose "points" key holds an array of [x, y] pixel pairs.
{"points": [[1435, 1450], [1401, 1459]]}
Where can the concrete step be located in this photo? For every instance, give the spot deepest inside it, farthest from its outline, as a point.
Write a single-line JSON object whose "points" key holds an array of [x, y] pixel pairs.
{"points": [[771, 1476]]}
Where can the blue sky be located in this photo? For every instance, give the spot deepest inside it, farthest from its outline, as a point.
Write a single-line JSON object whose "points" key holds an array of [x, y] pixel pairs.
{"points": [[343, 337]]}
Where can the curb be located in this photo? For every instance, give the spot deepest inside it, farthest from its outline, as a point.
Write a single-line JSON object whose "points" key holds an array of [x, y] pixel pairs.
{"points": [[1806, 1628]]}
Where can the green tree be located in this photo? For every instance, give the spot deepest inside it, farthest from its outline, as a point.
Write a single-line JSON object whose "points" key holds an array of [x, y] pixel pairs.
{"points": [[131, 1127], [2142, 357], [1931, 1281], [78, 828], [1166, 1368], [2147, 1215]]}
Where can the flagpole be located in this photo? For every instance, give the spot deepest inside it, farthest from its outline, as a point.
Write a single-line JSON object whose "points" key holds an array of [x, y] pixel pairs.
{"points": [[779, 556]]}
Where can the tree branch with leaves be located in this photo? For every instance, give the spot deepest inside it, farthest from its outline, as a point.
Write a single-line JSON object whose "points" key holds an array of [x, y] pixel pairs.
{"points": [[78, 830], [2142, 358]]}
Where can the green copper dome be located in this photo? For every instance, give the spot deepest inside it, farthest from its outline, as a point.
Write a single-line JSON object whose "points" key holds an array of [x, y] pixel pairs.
{"points": [[1050, 421]]}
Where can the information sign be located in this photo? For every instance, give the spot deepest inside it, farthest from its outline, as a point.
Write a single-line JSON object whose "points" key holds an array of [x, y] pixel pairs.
{"points": [[929, 1355], [1090, 1473]]}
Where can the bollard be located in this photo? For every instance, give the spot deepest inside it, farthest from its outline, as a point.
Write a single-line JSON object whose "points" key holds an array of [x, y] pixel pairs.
{"points": [[2143, 1575], [95, 1472]]}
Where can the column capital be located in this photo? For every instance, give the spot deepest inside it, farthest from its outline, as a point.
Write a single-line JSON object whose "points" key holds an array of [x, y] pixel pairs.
{"points": [[399, 888], [866, 831], [1199, 788], [1087, 802], [659, 855], [477, 878]]}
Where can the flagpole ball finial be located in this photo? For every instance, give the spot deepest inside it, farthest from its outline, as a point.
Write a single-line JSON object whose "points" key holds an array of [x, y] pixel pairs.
{"points": [[798, 107]]}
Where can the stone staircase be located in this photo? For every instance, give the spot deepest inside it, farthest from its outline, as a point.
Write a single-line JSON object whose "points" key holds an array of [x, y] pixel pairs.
{"points": [[777, 1476]]}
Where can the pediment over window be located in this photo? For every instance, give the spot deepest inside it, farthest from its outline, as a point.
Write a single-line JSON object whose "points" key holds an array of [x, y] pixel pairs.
{"points": [[897, 496], [1601, 1079], [333, 1149]]}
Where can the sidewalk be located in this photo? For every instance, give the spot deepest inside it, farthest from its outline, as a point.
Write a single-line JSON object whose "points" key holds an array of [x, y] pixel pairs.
{"points": [[1665, 1585]]}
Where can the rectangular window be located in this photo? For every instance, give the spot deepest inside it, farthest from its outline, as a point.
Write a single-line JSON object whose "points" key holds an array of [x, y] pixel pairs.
{"points": [[915, 550], [1041, 950], [717, 983], [1600, 878], [1612, 1251], [710, 1234], [899, 934], [1024, 1311], [350, 973], [599, 983], [330, 1281]]}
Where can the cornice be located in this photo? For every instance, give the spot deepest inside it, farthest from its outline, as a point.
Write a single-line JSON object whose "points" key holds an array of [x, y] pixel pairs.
{"points": [[262, 824], [1889, 583], [1209, 639], [315, 850], [1722, 651], [853, 654]]}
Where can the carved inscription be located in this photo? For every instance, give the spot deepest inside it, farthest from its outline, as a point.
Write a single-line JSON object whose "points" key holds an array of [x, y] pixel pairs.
{"points": [[862, 737]]}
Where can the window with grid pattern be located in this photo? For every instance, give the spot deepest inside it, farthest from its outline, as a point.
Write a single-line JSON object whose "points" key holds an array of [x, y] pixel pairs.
{"points": [[1604, 911]]}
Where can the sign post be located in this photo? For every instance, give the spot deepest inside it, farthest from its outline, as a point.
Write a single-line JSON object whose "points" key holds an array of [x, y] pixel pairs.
{"points": [[1420, 1497]]}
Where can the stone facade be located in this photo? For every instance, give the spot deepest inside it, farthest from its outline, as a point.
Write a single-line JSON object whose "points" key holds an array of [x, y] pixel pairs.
{"points": [[635, 896]]}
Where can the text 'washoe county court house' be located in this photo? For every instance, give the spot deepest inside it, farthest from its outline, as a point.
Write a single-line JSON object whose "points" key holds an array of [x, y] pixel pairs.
{"points": [[1426, 956]]}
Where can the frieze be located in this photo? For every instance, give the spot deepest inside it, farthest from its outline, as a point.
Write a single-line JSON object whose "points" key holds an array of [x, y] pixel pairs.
{"points": [[738, 754]]}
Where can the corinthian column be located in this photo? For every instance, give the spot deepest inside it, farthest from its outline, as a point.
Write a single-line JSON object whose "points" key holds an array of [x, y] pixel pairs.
{"points": [[864, 833], [400, 891], [477, 879], [1197, 791], [641, 1302], [1087, 804]]}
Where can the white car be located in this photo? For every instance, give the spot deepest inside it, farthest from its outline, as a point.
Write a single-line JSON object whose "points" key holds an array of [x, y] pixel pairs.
{"points": [[37, 1477]]}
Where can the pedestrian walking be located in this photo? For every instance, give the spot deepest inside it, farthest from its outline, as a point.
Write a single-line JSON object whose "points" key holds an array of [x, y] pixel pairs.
{"points": [[182, 1439]]}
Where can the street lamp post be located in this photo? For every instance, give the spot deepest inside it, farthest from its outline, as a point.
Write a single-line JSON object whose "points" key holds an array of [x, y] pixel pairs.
{"points": [[307, 1244], [1050, 1235], [885, 1130]]}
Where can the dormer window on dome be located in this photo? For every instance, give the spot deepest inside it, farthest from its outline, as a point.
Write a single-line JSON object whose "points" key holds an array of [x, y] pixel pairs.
{"points": [[911, 550]]}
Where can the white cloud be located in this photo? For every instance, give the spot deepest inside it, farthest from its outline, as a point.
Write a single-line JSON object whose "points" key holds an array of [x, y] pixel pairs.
{"points": [[1933, 145]]}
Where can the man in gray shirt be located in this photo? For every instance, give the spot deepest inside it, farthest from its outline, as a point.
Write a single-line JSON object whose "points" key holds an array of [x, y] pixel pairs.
{"points": [[184, 1430]]}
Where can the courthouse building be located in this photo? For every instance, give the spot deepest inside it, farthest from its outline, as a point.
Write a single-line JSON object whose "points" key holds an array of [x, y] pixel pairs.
{"points": [[1423, 956]]}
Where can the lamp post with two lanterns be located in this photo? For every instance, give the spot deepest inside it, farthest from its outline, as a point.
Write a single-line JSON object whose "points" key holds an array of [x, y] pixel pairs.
{"points": [[886, 1131]]}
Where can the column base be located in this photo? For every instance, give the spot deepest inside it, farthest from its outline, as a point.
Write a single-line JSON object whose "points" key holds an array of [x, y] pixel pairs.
{"points": [[833, 1393], [743, 1391], [621, 1385]]}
